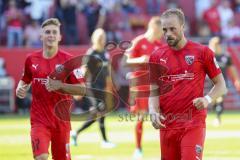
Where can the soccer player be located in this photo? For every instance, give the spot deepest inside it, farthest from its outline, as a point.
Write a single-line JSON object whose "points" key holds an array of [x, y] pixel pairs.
{"points": [[46, 127], [96, 74], [225, 63], [179, 110], [138, 55]]}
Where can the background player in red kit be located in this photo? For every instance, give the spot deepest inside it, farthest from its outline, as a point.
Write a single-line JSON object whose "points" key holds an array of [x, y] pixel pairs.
{"points": [[179, 69], [143, 46], [46, 127]]}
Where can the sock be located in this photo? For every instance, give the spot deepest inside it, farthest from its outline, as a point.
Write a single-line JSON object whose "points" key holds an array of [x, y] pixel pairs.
{"points": [[139, 131]]}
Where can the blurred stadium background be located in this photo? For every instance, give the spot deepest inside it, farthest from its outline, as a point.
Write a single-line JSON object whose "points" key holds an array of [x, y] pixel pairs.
{"points": [[122, 20]]}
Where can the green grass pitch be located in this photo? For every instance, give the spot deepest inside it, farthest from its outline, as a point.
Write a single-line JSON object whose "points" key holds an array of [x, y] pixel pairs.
{"points": [[222, 143]]}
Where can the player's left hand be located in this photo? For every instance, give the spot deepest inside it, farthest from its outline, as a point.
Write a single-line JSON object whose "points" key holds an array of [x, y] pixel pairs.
{"points": [[200, 103], [53, 85]]}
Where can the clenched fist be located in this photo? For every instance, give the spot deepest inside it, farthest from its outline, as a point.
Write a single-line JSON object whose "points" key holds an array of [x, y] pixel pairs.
{"points": [[21, 91], [200, 103]]}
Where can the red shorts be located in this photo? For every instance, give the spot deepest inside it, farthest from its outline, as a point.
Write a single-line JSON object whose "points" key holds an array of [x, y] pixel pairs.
{"points": [[182, 144], [41, 138], [141, 105]]}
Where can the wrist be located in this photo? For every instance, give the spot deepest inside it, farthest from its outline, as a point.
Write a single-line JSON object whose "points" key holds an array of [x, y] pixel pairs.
{"points": [[208, 98], [61, 85]]}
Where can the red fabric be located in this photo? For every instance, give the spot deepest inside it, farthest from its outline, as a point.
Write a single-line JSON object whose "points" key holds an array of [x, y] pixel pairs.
{"points": [[139, 130], [141, 105], [186, 143], [212, 17], [44, 103], [180, 76], [141, 47], [41, 137]]}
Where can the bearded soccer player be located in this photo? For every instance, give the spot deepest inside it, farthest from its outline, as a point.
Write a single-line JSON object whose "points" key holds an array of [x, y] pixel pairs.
{"points": [[137, 56], [179, 108], [46, 127]]}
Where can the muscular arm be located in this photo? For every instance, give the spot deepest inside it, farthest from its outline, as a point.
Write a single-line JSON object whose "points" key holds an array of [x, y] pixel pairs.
{"points": [[218, 90], [142, 59], [153, 101], [73, 89], [154, 110]]}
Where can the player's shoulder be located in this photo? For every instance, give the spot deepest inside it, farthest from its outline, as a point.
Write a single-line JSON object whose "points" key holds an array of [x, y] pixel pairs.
{"points": [[196, 45], [34, 54], [64, 54], [161, 49], [138, 40]]}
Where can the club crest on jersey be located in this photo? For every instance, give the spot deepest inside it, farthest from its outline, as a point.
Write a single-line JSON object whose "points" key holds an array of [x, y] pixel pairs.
{"points": [[189, 59], [59, 68]]}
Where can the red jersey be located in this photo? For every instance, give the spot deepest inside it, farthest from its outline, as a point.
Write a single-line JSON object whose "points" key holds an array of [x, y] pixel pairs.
{"points": [[180, 75], [143, 47], [37, 69], [212, 17], [140, 75]]}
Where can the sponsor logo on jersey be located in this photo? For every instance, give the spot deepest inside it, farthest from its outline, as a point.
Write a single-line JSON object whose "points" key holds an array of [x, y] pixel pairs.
{"points": [[40, 80], [163, 60], [35, 66]]}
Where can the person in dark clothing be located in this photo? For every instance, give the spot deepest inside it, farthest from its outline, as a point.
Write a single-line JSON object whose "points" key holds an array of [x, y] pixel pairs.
{"points": [[66, 12], [225, 63], [95, 15], [96, 73]]}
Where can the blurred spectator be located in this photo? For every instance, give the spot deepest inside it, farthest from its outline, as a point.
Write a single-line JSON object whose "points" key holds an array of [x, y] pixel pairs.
{"points": [[153, 6], [14, 18], [237, 6], [201, 6], [3, 72], [130, 6], [203, 29], [108, 5], [32, 34], [225, 12], [66, 12], [231, 31], [39, 9], [117, 22], [212, 18], [172, 4], [95, 15]]}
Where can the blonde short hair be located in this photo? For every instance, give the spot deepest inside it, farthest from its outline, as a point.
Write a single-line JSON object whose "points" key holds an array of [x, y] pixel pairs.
{"points": [[154, 20], [51, 21], [176, 12], [96, 34]]}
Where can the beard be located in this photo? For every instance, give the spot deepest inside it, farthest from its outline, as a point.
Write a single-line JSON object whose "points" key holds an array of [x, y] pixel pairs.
{"points": [[173, 42]]}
